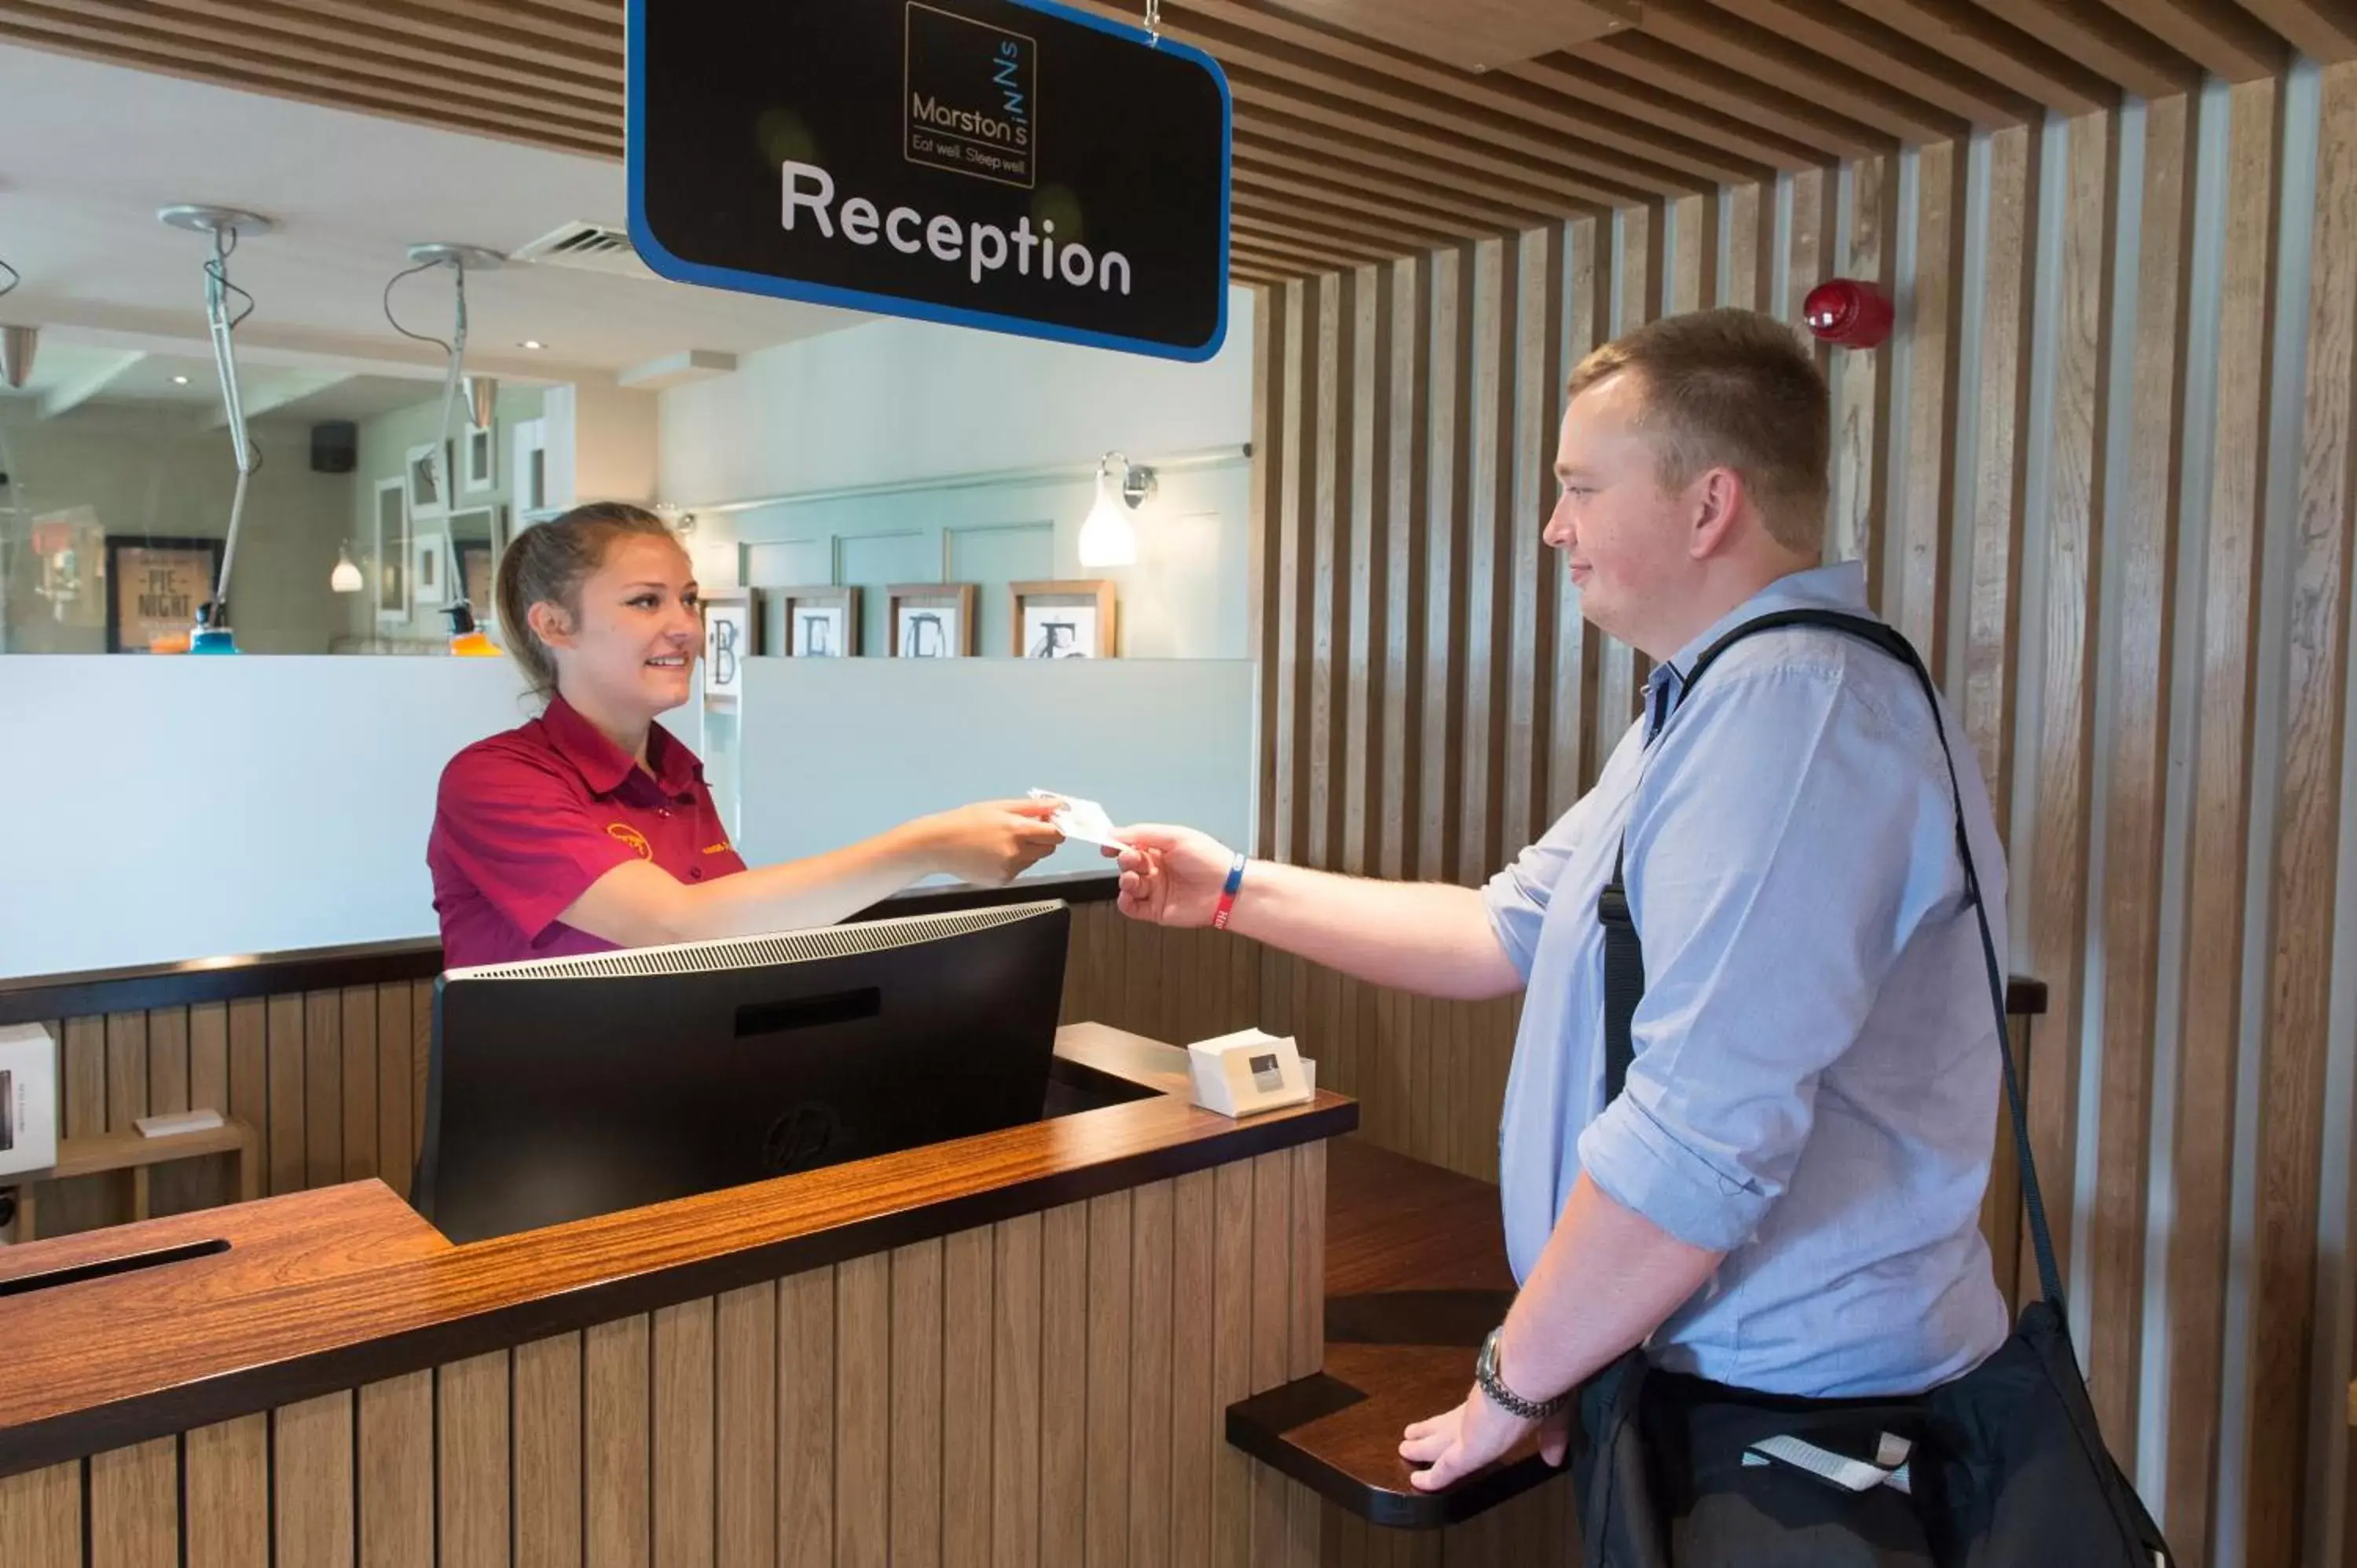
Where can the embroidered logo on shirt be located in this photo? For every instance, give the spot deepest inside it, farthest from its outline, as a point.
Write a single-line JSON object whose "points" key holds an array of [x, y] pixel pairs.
{"points": [[631, 836], [723, 847]]}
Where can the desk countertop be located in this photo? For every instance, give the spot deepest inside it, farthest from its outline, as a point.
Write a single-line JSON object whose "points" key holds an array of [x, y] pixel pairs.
{"points": [[286, 1298]]}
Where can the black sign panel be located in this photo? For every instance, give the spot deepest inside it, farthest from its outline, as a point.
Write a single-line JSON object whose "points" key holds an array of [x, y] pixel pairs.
{"points": [[1004, 163]]}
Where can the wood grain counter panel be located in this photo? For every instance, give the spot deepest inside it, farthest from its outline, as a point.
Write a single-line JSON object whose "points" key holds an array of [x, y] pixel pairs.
{"points": [[328, 1290]]}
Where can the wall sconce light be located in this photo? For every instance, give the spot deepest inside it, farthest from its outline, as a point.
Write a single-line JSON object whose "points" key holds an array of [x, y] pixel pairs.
{"points": [[346, 577], [1107, 538]]}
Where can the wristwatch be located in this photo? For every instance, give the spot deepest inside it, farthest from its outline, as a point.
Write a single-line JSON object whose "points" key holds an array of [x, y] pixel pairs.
{"points": [[1485, 1373]]}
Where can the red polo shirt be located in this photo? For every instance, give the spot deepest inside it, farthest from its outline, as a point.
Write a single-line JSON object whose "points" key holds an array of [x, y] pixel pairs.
{"points": [[526, 821]]}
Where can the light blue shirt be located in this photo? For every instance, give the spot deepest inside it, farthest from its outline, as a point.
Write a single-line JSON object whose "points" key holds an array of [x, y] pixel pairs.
{"points": [[1816, 1072]]}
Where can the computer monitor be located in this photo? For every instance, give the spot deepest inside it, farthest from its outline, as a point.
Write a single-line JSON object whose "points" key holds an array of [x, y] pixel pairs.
{"points": [[565, 1088]]}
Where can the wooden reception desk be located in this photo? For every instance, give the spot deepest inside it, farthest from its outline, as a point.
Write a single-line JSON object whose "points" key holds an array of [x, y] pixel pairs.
{"points": [[1136, 1333], [1017, 1347]]}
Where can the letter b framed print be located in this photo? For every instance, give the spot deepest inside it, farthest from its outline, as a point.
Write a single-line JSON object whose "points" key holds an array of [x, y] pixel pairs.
{"points": [[1010, 165]]}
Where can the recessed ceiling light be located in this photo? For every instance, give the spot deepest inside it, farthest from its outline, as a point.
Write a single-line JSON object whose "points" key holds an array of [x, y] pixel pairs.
{"points": [[180, 381], [531, 343]]}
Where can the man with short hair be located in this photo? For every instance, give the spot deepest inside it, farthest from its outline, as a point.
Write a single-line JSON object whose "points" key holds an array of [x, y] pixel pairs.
{"points": [[1786, 1195]]}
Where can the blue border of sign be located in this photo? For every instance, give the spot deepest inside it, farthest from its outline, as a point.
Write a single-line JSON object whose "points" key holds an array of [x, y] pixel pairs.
{"points": [[670, 266]]}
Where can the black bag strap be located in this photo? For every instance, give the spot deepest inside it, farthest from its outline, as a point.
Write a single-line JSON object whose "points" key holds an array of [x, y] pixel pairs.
{"points": [[1624, 955]]}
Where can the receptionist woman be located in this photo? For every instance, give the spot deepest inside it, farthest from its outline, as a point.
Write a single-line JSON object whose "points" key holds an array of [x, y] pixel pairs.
{"points": [[590, 827]]}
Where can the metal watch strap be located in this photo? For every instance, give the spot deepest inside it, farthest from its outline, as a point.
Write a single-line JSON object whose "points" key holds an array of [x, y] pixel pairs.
{"points": [[1486, 1373]]}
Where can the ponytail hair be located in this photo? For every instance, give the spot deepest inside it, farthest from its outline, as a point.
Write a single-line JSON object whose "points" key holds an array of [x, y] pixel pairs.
{"points": [[547, 562]]}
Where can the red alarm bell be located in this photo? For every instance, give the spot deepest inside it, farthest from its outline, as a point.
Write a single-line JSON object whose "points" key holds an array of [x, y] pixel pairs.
{"points": [[1849, 313]]}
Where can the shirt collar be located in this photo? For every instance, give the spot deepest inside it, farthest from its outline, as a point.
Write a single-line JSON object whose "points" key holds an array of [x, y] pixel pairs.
{"points": [[606, 766], [1840, 587]]}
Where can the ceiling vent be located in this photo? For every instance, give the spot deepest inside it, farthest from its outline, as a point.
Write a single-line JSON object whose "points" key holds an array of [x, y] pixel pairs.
{"points": [[590, 247]]}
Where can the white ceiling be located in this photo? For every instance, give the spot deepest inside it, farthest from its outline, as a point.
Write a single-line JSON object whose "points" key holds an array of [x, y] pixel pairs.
{"points": [[68, 376], [89, 152]]}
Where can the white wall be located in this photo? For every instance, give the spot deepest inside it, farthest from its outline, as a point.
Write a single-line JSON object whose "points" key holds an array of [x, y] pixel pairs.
{"points": [[914, 419], [898, 399], [192, 808]]}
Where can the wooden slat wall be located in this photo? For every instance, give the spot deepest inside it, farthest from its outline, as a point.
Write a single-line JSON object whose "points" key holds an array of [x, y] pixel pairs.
{"points": [[333, 1082], [888, 1409], [2129, 450]]}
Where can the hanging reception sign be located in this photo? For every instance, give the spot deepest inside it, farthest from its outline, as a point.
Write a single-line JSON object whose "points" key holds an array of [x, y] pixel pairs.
{"points": [[1003, 163]]}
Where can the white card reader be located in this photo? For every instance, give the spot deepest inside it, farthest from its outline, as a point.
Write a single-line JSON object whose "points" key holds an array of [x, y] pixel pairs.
{"points": [[1249, 1071]]}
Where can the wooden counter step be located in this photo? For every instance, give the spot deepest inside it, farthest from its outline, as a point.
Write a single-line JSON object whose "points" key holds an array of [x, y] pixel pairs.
{"points": [[1416, 1275]]}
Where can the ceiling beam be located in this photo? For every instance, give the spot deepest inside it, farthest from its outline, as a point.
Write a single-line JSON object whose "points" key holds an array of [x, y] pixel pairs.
{"points": [[2216, 35], [1363, 63], [1474, 213], [1299, 138], [2324, 30], [1998, 50], [70, 394], [1317, 109], [592, 27], [1285, 237], [329, 32], [1763, 56], [1649, 61], [1563, 75], [1289, 70], [152, 26], [256, 74], [1316, 217], [1266, 175], [1908, 62], [1275, 241], [2092, 31]]}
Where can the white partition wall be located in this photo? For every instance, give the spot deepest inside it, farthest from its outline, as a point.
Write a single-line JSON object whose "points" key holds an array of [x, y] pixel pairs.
{"points": [[833, 750], [169, 808], [166, 808]]}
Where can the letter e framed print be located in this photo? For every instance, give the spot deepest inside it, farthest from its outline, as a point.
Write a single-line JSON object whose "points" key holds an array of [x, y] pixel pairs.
{"points": [[1010, 165]]}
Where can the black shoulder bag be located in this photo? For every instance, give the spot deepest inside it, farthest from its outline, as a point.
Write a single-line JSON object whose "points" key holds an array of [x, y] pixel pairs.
{"points": [[2003, 1467]]}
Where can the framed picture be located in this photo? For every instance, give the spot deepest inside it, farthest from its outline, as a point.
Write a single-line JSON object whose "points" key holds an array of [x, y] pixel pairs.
{"points": [[471, 575], [471, 533], [821, 622], [528, 466], [154, 586], [433, 571], [479, 462], [426, 493], [393, 564], [933, 621], [1064, 621], [732, 634]]}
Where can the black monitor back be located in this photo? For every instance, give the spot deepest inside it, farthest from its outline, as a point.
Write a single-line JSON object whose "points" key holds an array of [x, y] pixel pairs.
{"points": [[565, 1088]]}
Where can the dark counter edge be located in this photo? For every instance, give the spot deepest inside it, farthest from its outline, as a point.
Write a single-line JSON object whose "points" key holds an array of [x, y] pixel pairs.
{"points": [[38, 999], [228, 1395], [1259, 1427]]}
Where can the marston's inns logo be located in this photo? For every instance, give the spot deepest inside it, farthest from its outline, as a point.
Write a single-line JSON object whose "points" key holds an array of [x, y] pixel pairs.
{"points": [[971, 98], [631, 836]]}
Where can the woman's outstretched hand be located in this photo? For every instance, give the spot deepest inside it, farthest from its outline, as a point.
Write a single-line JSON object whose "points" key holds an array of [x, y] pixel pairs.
{"points": [[993, 841]]}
